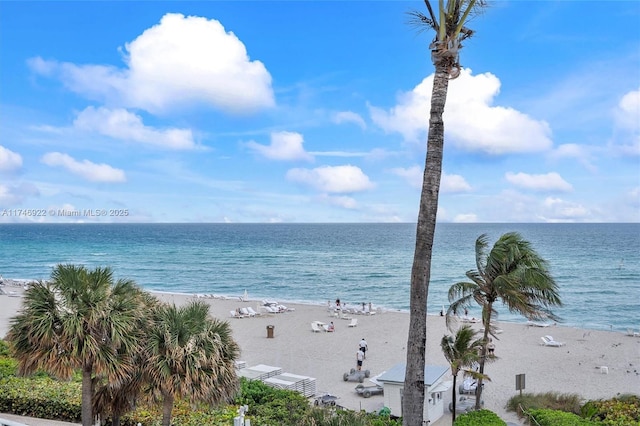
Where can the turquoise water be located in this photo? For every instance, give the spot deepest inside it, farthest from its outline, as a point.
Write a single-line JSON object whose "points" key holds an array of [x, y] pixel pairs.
{"points": [[597, 266]]}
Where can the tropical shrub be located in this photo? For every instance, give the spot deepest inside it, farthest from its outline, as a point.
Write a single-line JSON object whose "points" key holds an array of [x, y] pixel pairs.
{"points": [[41, 397], [8, 367], [479, 418], [4, 348], [568, 402], [623, 410], [544, 417]]}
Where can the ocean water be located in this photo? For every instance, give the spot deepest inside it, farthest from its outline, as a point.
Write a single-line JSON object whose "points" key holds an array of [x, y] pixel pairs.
{"points": [[597, 266]]}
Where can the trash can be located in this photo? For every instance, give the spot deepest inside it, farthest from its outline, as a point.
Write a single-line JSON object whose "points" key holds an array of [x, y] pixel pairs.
{"points": [[270, 329]]}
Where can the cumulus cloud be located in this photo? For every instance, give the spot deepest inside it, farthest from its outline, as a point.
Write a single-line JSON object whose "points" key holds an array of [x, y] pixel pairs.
{"points": [[11, 195], [332, 179], [182, 61], [547, 182], [9, 160], [558, 210], [349, 117], [284, 146], [472, 123], [86, 169], [580, 153], [465, 218], [340, 201], [122, 124], [448, 183], [627, 118]]}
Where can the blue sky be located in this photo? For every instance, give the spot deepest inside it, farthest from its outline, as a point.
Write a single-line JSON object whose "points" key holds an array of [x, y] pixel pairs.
{"points": [[303, 111]]}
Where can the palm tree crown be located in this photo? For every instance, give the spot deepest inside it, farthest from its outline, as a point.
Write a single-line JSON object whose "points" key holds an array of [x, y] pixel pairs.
{"points": [[191, 356], [461, 351], [80, 319]]}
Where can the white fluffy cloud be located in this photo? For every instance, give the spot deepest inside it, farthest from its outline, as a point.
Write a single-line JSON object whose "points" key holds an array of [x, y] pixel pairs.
{"points": [[471, 122], [574, 151], [332, 179], [558, 210], [179, 62], [9, 160], [86, 169], [122, 124], [448, 183], [547, 182], [284, 146], [627, 116], [349, 117], [15, 194]]}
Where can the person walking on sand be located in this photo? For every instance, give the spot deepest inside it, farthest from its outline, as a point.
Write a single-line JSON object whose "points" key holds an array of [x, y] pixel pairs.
{"points": [[364, 347], [359, 358]]}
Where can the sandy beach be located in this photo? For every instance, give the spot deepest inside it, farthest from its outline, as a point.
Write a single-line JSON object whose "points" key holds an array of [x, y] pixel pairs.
{"points": [[572, 368]]}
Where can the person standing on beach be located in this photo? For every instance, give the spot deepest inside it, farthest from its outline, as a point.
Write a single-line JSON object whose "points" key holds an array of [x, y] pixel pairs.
{"points": [[364, 347], [359, 358]]}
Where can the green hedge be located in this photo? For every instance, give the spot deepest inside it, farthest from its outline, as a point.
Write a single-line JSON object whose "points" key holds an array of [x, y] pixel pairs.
{"points": [[621, 411], [479, 418], [546, 417], [41, 397]]}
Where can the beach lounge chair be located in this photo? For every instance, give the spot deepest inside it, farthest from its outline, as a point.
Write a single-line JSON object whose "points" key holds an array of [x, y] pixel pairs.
{"points": [[548, 341], [315, 327], [246, 312], [354, 322], [252, 312], [538, 324], [234, 314]]}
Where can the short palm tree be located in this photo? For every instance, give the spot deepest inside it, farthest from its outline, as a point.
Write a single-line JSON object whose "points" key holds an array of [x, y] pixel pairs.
{"points": [[191, 356], [513, 273], [461, 351], [114, 399], [80, 319]]}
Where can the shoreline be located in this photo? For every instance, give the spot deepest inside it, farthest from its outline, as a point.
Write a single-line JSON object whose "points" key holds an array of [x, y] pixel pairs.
{"points": [[590, 326], [573, 368]]}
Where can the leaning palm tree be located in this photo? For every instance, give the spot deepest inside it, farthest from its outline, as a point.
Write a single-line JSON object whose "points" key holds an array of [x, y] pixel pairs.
{"points": [[192, 356], [513, 273], [450, 31], [462, 352], [80, 319]]}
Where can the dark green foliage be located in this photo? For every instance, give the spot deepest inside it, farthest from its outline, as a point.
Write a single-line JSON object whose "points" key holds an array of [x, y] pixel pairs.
{"points": [[568, 402], [479, 418], [324, 417], [40, 397], [4, 348], [558, 418], [268, 406], [624, 410], [8, 367]]}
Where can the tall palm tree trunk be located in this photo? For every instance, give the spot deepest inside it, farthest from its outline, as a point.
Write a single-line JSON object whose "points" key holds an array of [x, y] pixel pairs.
{"points": [[453, 399], [87, 395], [413, 399], [485, 341], [167, 407]]}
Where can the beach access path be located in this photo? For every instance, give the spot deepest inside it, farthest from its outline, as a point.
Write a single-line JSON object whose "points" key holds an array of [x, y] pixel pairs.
{"points": [[573, 368]]}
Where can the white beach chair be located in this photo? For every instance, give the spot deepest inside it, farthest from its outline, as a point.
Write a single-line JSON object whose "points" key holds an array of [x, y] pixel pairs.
{"points": [[246, 312], [252, 312], [234, 314], [538, 324], [548, 341], [315, 328], [354, 322]]}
